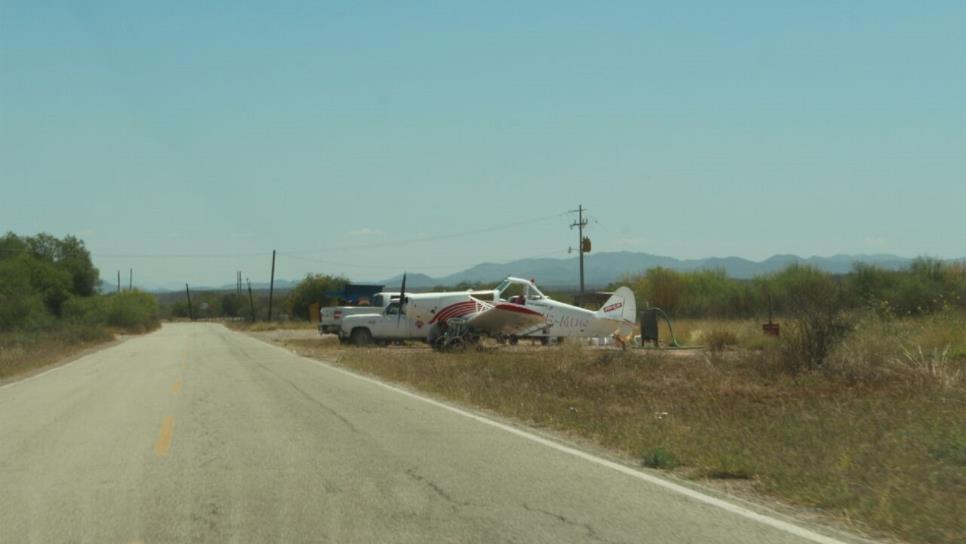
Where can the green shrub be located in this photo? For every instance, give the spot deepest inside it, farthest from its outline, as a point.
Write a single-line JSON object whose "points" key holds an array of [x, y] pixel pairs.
{"points": [[87, 310], [658, 458], [135, 311]]}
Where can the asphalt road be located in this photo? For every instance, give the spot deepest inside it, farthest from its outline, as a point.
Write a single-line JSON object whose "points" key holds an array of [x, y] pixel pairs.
{"points": [[198, 434]]}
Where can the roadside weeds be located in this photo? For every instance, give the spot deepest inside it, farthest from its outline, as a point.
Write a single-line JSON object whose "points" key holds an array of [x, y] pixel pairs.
{"points": [[884, 458]]}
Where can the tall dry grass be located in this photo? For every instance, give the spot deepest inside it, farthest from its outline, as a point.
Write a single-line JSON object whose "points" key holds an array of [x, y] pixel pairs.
{"points": [[876, 437]]}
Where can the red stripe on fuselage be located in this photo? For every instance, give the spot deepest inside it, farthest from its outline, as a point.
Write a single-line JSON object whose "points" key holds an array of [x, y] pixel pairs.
{"points": [[517, 308], [454, 310]]}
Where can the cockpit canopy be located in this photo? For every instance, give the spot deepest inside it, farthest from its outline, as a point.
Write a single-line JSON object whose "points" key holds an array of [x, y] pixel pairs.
{"points": [[530, 291]]}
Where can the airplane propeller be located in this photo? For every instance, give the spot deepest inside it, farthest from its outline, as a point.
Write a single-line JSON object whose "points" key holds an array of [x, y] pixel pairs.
{"points": [[402, 299]]}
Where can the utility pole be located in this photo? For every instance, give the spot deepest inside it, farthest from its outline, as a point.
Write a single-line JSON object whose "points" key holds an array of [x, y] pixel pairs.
{"points": [[187, 292], [271, 287], [251, 302], [118, 281], [580, 223], [130, 279]]}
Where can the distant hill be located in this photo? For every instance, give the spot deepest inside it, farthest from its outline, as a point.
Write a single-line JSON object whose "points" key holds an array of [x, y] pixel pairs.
{"points": [[600, 269], [603, 268]]}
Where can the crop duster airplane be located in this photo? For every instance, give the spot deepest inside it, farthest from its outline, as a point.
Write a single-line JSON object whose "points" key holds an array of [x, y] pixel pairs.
{"points": [[452, 319]]}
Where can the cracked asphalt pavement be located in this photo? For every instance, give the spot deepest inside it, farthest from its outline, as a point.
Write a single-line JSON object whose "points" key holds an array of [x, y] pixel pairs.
{"points": [[196, 433]]}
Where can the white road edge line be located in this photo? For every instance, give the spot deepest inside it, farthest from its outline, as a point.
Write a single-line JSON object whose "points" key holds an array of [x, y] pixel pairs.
{"points": [[666, 484]]}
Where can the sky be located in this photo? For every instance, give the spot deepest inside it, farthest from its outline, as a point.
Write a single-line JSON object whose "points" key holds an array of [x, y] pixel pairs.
{"points": [[187, 140]]}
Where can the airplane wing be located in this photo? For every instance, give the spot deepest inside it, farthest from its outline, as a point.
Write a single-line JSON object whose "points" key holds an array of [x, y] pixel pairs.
{"points": [[505, 318]]}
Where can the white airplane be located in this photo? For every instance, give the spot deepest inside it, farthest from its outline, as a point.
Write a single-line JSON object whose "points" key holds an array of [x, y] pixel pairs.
{"points": [[453, 319]]}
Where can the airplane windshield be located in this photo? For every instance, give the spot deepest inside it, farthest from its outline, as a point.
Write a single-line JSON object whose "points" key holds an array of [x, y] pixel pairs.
{"points": [[503, 286], [532, 293]]}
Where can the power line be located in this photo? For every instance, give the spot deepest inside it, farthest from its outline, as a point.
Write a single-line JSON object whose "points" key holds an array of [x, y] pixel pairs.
{"points": [[396, 243], [373, 245], [418, 267]]}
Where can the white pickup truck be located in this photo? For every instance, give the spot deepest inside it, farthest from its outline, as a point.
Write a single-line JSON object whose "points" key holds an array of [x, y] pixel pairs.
{"points": [[379, 328], [330, 317]]}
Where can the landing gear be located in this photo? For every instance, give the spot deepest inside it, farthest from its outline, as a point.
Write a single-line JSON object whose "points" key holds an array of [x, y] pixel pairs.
{"points": [[455, 336]]}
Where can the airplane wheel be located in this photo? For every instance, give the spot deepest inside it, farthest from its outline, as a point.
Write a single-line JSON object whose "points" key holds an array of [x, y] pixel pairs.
{"points": [[455, 344], [514, 340], [544, 340]]}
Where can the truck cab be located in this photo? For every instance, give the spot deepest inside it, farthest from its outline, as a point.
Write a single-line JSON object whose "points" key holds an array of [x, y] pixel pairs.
{"points": [[330, 317], [377, 328]]}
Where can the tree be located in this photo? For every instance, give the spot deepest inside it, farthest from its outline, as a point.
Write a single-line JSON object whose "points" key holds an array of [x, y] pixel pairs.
{"points": [[313, 289], [68, 255]]}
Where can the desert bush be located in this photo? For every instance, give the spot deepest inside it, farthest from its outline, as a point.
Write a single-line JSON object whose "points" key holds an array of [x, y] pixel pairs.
{"points": [[815, 303], [718, 339], [133, 311]]}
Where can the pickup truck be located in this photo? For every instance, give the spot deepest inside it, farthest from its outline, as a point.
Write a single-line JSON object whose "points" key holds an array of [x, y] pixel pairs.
{"points": [[379, 328], [330, 317]]}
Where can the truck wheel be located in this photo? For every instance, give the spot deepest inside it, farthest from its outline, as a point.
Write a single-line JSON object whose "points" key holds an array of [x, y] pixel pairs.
{"points": [[360, 337]]}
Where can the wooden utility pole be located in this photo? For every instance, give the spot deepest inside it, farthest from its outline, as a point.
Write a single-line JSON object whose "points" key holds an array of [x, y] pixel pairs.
{"points": [[271, 287], [251, 302], [580, 223], [187, 292], [118, 281], [130, 279]]}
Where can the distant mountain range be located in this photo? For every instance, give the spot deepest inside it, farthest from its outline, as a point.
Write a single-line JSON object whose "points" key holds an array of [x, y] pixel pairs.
{"points": [[601, 269]]}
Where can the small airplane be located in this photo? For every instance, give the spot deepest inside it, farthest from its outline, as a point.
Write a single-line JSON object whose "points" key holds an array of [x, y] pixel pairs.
{"points": [[453, 319]]}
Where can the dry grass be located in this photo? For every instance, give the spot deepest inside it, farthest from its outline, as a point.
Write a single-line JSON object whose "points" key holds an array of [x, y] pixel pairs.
{"points": [[261, 326], [880, 451], [25, 352], [701, 332]]}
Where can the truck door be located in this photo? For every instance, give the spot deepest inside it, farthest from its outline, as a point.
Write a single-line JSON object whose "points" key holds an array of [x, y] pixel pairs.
{"points": [[396, 326]]}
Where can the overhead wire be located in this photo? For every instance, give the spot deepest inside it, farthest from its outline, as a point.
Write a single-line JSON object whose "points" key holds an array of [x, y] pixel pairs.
{"points": [[417, 267], [295, 252]]}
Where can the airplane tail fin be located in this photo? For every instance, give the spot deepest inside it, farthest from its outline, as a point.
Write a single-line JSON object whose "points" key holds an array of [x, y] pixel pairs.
{"points": [[620, 306]]}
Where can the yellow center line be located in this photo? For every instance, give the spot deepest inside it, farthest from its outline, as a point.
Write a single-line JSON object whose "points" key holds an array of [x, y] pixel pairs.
{"points": [[176, 386], [163, 444]]}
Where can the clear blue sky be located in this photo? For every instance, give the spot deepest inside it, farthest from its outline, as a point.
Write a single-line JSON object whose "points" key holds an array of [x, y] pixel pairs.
{"points": [[688, 129]]}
